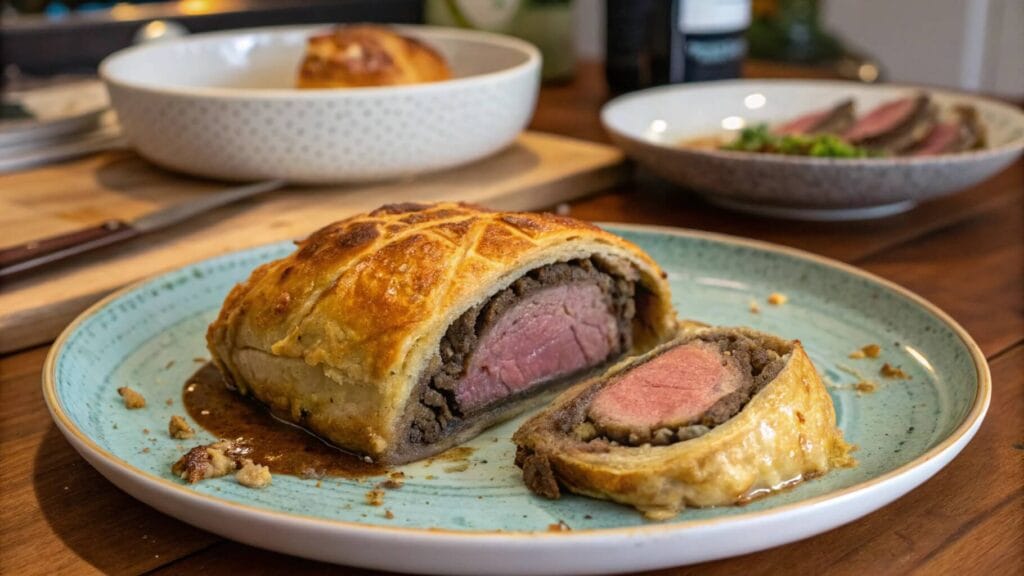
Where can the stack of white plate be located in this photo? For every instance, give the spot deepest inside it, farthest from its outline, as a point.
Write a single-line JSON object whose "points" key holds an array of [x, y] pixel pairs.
{"points": [[62, 122]]}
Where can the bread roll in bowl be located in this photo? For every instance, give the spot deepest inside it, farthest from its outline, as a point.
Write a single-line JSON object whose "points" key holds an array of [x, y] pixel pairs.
{"points": [[366, 55]]}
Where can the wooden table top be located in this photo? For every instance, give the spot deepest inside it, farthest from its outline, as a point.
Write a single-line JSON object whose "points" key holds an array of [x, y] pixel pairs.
{"points": [[964, 253]]}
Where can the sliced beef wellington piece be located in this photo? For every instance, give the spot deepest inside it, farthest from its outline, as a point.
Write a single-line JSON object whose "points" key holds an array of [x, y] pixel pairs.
{"points": [[895, 126], [716, 416], [963, 132], [399, 333], [835, 120]]}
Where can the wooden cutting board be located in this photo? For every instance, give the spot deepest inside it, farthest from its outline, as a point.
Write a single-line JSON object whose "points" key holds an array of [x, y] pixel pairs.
{"points": [[537, 172]]}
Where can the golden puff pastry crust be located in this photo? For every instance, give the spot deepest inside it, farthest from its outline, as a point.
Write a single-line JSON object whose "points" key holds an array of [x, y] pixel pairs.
{"points": [[785, 433], [337, 336], [365, 55]]}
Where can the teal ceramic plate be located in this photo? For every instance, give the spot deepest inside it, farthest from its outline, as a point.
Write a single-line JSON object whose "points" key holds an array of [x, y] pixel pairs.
{"points": [[482, 519]]}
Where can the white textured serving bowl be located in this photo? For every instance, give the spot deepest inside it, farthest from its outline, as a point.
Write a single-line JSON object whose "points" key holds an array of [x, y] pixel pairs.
{"points": [[649, 125], [223, 105]]}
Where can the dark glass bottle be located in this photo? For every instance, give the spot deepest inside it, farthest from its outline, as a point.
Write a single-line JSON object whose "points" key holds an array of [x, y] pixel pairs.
{"points": [[643, 44], [716, 41], [654, 42]]}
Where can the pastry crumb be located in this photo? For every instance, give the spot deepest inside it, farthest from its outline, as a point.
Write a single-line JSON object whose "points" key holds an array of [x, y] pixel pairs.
{"points": [[777, 298], [890, 371], [209, 461], [754, 307], [560, 527], [169, 402], [395, 481], [389, 514], [375, 497], [865, 386], [132, 399], [868, 351], [178, 428], [253, 475]]}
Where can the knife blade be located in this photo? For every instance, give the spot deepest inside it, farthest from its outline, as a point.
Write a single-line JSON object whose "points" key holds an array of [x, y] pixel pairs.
{"points": [[31, 255]]}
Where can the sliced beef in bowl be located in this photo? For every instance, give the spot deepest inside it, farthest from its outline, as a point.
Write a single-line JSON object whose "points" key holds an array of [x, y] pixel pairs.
{"points": [[963, 132], [835, 120], [895, 126]]}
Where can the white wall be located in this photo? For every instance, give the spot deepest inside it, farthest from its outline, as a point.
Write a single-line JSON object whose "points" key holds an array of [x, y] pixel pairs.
{"points": [[588, 18], [969, 44], [1004, 72]]}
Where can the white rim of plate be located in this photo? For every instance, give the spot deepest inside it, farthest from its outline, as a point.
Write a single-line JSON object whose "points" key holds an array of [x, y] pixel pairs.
{"points": [[427, 33], [176, 490], [965, 97]]}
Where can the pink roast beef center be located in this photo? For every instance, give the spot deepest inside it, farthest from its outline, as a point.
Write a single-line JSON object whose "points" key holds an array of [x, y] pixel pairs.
{"points": [[673, 389], [553, 332]]}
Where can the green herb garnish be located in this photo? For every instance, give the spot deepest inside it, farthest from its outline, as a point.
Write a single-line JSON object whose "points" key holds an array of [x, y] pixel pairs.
{"points": [[760, 138]]}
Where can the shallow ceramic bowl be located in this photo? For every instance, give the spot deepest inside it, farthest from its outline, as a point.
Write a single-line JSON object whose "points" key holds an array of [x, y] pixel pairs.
{"points": [[223, 105], [479, 517], [649, 125]]}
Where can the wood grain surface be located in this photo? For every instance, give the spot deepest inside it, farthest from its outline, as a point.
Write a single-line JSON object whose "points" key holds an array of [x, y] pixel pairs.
{"points": [[965, 253], [539, 170]]}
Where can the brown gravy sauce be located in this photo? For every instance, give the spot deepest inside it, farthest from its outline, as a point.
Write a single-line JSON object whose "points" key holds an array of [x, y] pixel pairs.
{"points": [[284, 447]]}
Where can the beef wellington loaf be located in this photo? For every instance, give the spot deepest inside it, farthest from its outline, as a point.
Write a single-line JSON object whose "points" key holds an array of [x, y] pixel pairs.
{"points": [[399, 333], [716, 416]]}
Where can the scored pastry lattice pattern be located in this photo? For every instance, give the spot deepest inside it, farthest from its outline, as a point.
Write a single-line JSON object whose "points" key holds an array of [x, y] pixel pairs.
{"points": [[377, 275]]}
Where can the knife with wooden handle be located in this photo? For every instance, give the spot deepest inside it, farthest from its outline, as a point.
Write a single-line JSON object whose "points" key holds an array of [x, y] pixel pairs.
{"points": [[31, 255]]}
